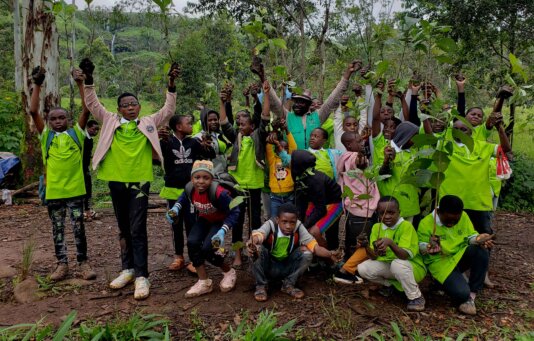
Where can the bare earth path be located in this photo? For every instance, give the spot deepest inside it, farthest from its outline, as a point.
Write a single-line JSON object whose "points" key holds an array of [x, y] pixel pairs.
{"points": [[329, 311]]}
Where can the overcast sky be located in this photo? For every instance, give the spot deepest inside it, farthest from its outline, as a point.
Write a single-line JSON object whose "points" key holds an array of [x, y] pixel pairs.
{"points": [[180, 4]]}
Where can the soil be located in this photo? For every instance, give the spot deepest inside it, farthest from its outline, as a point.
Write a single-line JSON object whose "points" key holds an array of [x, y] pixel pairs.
{"points": [[328, 311]]}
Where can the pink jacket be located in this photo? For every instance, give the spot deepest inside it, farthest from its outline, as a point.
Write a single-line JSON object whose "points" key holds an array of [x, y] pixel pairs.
{"points": [[358, 185], [148, 125]]}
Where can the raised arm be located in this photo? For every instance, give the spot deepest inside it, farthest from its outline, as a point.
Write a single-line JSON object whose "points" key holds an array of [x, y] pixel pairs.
{"points": [[90, 97], [222, 107], [375, 127], [266, 108], [38, 76], [78, 76], [333, 99], [413, 115], [496, 120], [169, 108], [460, 86]]}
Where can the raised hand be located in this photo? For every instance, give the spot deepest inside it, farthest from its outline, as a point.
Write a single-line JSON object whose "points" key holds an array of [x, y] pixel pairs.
{"points": [[366, 132], [246, 91], [460, 81], [38, 75], [380, 87], [364, 71], [266, 87], [361, 161], [87, 67], [353, 66], [344, 100], [78, 75], [357, 89], [174, 72], [389, 154], [495, 119]]}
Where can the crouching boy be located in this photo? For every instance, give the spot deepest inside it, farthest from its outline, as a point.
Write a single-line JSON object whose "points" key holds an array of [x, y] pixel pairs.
{"points": [[395, 255], [283, 249], [214, 217], [452, 248]]}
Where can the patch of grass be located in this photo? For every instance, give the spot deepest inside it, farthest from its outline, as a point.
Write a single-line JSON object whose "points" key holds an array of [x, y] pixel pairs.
{"points": [[198, 329], [264, 329], [27, 258], [49, 287], [339, 318], [137, 327]]}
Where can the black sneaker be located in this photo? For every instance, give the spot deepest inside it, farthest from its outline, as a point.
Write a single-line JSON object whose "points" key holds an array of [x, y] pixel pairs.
{"points": [[346, 278], [417, 304]]}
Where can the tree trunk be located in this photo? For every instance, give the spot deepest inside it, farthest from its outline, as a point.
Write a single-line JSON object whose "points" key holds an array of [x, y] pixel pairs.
{"points": [[322, 50], [41, 48], [302, 77], [18, 45]]}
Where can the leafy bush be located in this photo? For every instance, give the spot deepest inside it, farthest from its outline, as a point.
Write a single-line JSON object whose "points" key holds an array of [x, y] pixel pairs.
{"points": [[11, 123], [518, 192]]}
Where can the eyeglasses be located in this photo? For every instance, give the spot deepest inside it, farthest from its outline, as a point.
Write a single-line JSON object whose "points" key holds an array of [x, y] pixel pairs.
{"points": [[126, 105]]}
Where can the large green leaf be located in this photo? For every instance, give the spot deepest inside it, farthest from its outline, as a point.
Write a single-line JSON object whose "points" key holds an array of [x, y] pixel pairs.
{"points": [[421, 163], [437, 179], [236, 201], [517, 66], [464, 138], [424, 140], [347, 192], [441, 160], [447, 44]]}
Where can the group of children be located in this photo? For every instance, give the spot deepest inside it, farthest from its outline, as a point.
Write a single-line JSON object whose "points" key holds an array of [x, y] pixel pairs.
{"points": [[218, 174]]}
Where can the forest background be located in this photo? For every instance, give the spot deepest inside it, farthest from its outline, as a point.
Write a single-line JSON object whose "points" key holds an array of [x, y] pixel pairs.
{"points": [[304, 43]]}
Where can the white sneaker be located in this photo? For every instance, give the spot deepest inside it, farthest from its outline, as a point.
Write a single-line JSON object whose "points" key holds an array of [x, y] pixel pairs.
{"points": [[228, 281], [200, 288], [142, 288], [124, 278]]}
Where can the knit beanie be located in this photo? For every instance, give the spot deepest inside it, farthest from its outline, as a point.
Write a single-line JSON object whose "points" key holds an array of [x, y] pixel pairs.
{"points": [[202, 165]]}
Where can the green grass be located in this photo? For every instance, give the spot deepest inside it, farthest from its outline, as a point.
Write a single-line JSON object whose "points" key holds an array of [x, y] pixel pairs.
{"points": [[136, 327]]}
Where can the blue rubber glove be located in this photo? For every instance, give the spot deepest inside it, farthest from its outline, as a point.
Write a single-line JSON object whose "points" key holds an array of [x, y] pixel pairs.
{"points": [[169, 218], [218, 237]]}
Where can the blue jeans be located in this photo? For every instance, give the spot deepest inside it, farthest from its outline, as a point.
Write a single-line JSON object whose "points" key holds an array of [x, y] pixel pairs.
{"points": [[288, 270], [278, 200]]}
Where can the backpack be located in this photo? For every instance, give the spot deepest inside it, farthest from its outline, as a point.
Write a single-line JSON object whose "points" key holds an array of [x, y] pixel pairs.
{"points": [[270, 241], [49, 138], [227, 181]]}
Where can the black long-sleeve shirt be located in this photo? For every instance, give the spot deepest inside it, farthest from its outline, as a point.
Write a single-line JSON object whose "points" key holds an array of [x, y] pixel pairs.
{"points": [[179, 157]]}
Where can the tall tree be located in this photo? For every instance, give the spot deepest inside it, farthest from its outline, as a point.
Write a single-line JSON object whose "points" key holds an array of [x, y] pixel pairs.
{"points": [[40, 48]]}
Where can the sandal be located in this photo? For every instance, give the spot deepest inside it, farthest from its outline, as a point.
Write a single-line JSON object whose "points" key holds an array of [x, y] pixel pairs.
{"points": [[292, 291], [177, 264], [189, 267], [260, 294]]}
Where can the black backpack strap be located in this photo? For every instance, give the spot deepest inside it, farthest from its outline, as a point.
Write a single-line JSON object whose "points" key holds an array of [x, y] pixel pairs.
{"points": [[188, 190], [72, 134], [275, 233], [50, 137]]}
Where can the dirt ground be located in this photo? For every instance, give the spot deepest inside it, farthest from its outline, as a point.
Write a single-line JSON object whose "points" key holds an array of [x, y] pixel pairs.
{"points": [[329, 311]]}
